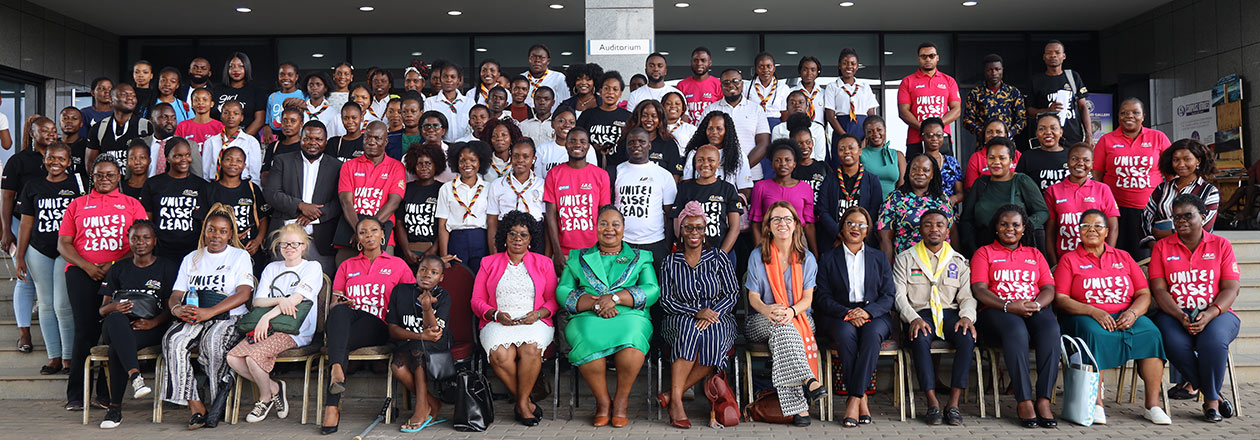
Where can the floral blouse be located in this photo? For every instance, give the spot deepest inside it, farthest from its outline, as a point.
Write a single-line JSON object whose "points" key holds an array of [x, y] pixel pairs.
{"points": [[901, 215], [951, 173]]}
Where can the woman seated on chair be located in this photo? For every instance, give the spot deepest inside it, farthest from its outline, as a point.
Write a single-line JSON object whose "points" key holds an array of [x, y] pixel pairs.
{"points": [[780, 282], [356, 318], [855, 294], [282, 286], [1014, 285], [208, 297], [607, 289], [698, 291], [514, 295], [1194, 278], [142, 278], [417, 317], [1102, 297]]}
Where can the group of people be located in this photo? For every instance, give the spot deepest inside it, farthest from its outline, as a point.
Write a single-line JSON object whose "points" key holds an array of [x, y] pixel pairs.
{"points": [[631, 216]]}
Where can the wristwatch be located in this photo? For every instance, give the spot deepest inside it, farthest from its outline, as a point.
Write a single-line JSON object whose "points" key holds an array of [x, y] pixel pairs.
{"points": [[596, 307], [616, 299]]}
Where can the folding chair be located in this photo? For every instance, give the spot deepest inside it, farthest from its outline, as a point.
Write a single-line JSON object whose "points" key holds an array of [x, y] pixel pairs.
{"points": [[889, 348], [372, 353]]}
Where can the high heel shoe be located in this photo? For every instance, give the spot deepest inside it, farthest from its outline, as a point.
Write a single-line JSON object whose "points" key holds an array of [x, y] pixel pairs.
{"points": [[680, 423], [663, 400], [619, 422], [814, 394], [325, 430], [600, 421]]}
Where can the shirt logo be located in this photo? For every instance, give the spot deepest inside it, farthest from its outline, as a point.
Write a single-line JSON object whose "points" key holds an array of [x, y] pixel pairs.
{"points": [[386, 271], [1117, 145], [1209, 256], [153, 284], [1030, 261], [563, 187], [1058, 201], [585, 186], [940, 86], [953, 271], [66, 192], [90, 207], [717, 199], [1000, 260], [656, 156], [384, 176], [1173, 258], [353, 274], [914, 271], [244, 201], [1089, 200], [360, 174], [920, 86], [1087, 266], [1146, 145], [120, 207], [1117, 266], [190, 193], [220, 268]]}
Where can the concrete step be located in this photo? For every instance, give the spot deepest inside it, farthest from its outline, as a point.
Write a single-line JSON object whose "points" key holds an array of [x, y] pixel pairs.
{"points": [[9, 331], [1246, 243], [27, 383], [10, 357]]}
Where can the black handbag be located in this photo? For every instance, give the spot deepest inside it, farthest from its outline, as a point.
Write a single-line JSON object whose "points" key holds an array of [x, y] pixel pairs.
{"points": [[143, 305], [439, 366], [207, 299], [474, 403]]}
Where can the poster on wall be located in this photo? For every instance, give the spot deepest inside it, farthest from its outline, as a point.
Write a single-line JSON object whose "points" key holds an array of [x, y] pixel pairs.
{"points": [[1101, 117], [1194, 117]]}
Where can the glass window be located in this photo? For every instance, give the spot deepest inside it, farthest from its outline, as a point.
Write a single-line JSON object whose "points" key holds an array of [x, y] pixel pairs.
{"points": [[259, 50], [728, 50], [969, 70], [397, 53], [18, 101], [312, 54], [788, 49]]}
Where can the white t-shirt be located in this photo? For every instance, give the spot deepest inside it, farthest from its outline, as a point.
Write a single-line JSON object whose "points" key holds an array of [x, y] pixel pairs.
{"points": [[538, 130], [641, 193], [456, 118], [503, 198], [253, 156], [742, 179], [552, 79], [308, 282], [551, 154], [775, 95], [683, 132], [222, 272], [750, 121], [819, 100], [837, 95], [645, 93]]}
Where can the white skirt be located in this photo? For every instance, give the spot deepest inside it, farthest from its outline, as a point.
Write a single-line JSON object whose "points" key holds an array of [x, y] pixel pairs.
{"points": [[495, 335]]}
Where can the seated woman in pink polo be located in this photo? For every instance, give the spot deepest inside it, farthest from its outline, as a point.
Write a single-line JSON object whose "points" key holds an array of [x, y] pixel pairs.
{"points": [[514, 295]]}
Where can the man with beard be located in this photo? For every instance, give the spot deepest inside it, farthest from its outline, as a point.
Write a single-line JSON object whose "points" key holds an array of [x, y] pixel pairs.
{"points": [[655, 69], [198, 78], [302, 188], [994, 100], [112, 134], [750, 121], [927, 93], [164, 122], [539, 75], [700, 89], [71, 125]]}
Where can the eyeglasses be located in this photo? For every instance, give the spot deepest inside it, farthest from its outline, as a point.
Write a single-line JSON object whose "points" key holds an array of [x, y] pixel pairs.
{"points": [[431, 126], [690, 228], [1183, 217], [105, 176], [513, 235], [727, 82], [928, 56], [859, 226], [290, 244], [934, 135], [539, 57], [784, 219], [1094, 226]]}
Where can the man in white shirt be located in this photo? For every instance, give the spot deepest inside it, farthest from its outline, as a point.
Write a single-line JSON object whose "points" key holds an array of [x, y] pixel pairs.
{"points": [[766, 90], [750, 121], [302, 188], [644, 192], [539, 127], [450, 103], [540, 74], [654, 68]]}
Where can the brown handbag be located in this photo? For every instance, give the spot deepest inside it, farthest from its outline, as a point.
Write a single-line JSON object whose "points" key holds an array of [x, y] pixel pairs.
{"points": [[722, 399], [765, 408]]}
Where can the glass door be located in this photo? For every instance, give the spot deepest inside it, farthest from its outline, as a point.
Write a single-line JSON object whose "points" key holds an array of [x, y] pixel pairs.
{"points": [[17, 102]]}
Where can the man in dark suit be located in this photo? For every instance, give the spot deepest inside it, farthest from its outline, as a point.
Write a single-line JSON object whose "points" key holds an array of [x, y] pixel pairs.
{"points": [[302, 187]]}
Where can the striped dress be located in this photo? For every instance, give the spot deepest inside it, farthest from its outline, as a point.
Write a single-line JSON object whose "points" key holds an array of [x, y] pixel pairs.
{"points": [[1160, 206], [686, 290]]}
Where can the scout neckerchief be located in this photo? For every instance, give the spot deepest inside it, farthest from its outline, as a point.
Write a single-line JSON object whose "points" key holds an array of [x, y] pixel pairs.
{"points": [[765, 99], [499, 172], [451, 103], [810, 96], [534, 85], [467, 207], [520, 194], [845, 192], [676, 126], [852, 106], [315, 114], [934, 278], [483, 92], [780, 292], [228, 140]]}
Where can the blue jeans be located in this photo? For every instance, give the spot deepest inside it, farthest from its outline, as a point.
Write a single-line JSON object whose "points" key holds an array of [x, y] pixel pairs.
{"points": [[1201, 358], [23, 296], [56, 317]]}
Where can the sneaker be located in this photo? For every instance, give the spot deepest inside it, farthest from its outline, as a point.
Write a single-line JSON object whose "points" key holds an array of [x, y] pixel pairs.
{"points": [[113, 418], [1100, 417], [74, 405], [141, 390], [261, 408], [281, 401], [1157, 416]]}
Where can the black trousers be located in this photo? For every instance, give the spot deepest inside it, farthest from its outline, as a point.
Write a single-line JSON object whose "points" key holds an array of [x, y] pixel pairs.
{"points": [[85, 302], [123, 345], [920, 350], [1017, 335], [858, 348], [1130, 235], [347, 329]]}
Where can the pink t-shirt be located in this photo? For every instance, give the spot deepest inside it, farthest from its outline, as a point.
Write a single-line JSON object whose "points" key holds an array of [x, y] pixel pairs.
{"points": [[767, 192], [372, 184], [1194, 278], [1013, 275], [699, 94], [1131, 165], [370, 284], [577, 194], [1107, 281], [1067, 201], [928, 96], [98, 224], [978, 165], [197, 132]]}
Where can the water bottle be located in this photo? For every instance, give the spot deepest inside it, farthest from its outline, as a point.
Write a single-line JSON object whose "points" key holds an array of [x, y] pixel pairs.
{"points": [[190, 298]]}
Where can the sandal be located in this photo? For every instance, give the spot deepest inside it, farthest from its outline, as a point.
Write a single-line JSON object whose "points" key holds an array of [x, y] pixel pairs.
{"points": [[49, 370], [849, 422], [865, 420], [814, 394], [411, 427], [24, 348]]}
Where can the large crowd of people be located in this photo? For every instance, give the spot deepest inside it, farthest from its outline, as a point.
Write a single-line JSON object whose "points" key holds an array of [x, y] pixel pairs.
{"points": [[602, 220]]}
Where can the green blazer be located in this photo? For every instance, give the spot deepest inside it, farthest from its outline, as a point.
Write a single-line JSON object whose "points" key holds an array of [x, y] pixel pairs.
{"points": [[588, 273]]}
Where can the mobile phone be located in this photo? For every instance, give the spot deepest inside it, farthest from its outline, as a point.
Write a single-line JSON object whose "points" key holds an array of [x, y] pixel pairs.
{"points": [[1194, 314]]}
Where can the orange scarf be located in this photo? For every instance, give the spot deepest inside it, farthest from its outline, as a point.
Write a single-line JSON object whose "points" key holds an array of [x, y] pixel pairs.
{"points": [[775, 274]]}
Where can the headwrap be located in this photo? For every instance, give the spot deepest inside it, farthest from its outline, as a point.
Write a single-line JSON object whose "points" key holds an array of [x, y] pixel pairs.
{"points": [[691, 209]]}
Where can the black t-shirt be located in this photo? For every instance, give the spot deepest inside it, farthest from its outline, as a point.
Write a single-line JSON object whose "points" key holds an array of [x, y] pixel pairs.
{"points": [[251, 97], [605, 127], [663, 153], [46, 202], [1043, 90], [345, 149], [173, 205], [135, 193], [815, 174], [718, 199], [146, 98], [247, 203], [276, 148], [107, 137], [24, 167], [155, 279], [1044, 167], [419, 210], [405, 312], [78, 154]]}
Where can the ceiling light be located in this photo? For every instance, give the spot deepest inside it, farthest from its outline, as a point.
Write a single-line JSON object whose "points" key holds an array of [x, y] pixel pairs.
{"points": [[888, 52], [244, 10], [317, 55], [481, 49], [454, 13], [366, 8], [566, 66], [846, 4], [681, 5], [730, 48], [970, 3], [760, 11], [664, 53], [792, 52], [778, 64], [566, 53], [416, 54], [556, 6]]}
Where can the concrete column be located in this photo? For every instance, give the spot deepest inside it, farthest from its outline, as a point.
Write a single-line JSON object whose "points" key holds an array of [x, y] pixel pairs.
{"points": [[620, 20]]}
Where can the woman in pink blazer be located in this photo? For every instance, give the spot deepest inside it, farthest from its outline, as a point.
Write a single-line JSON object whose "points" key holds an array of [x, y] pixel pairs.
{"points": [[515, 297]]}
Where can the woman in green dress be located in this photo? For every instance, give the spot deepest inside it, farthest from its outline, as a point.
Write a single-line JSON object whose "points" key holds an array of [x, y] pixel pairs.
{"points": [[607, 290]]}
